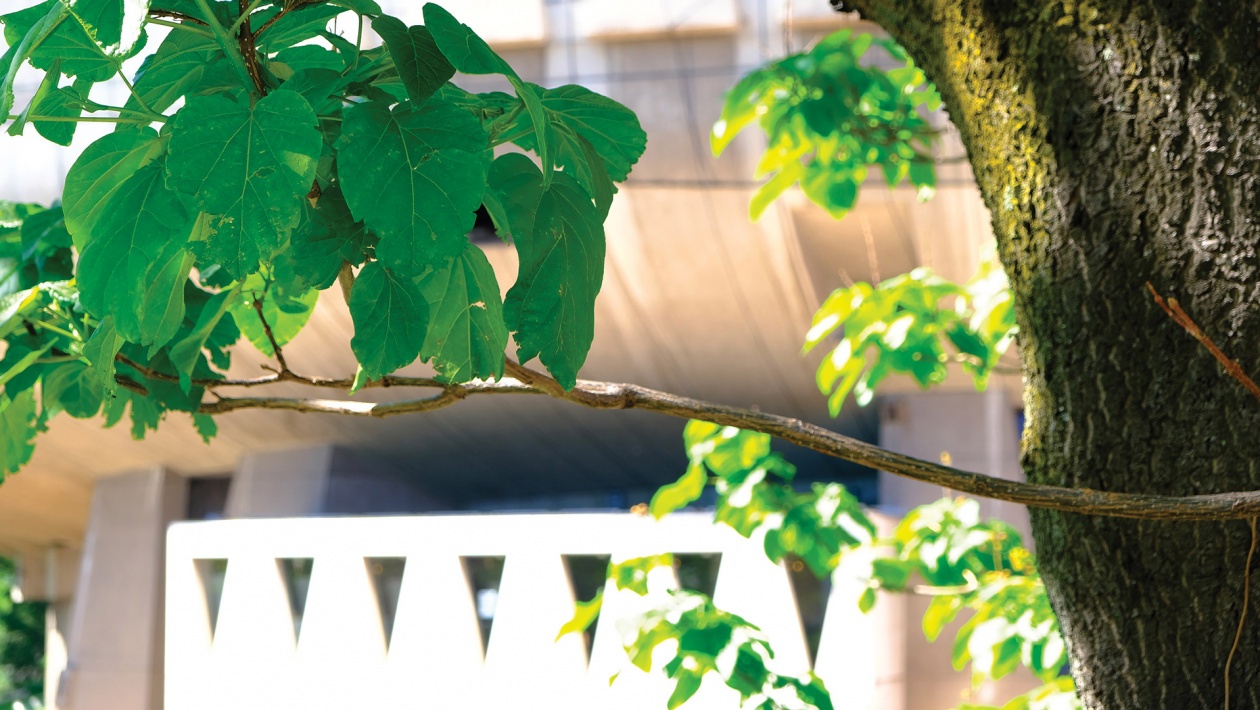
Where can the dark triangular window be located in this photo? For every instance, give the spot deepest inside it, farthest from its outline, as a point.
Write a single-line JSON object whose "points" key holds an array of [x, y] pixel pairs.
{"points": [[296, 573], [212, 573], [484, 575], [386, 574], [697, 572], [811, 594], [587, 575]]}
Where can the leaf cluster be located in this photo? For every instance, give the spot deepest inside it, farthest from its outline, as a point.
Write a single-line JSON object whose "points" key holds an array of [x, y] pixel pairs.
{"points": [[262, 157], [829, 114], [914, 324]]}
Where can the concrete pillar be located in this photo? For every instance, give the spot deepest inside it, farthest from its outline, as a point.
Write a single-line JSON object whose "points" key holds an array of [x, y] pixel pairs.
{"points": [[116, 639]]}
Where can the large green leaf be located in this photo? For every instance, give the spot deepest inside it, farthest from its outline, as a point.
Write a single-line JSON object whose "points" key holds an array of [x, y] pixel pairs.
{"points": [[421, 66], [173, 70], [551, 307], [135, 261], [100, 350], [415, 176], [612, 129], [466, 337], [17, 429], [73, 388], [250, 167], [98, 174], [46, 34], [116, 25], [391, 320], [470, 54], [25, 31]]}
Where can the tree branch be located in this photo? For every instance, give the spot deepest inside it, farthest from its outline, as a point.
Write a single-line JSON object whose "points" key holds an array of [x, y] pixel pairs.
{"points": [[608, 395], [285, 373]]}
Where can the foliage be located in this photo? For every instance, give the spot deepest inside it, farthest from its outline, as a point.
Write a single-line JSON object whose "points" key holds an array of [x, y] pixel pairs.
{"points": [[906, 325], [943, 549], [703, 638], [286, 158], [21, 646], [828, 115]]}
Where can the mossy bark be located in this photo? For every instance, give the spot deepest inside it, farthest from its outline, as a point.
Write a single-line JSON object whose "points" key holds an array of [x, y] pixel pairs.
{"points": [[1118, 142]]}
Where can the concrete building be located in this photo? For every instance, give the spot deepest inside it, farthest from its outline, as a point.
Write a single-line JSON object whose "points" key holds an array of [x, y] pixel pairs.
{"points": [[284, 612]]}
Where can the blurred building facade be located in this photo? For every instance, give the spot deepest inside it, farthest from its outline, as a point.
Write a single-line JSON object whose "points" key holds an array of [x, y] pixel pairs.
{"points": [[697, 300]]}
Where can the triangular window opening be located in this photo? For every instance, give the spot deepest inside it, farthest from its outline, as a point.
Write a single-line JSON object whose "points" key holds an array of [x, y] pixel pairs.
{"points": [[296, 573], [484, 575], [587, 576], [697, 572], [386, 574], [212, 573], [811, 595]]}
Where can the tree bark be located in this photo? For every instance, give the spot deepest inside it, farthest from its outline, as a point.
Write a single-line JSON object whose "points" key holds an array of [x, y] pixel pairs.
{"points": [[1116, 142]]}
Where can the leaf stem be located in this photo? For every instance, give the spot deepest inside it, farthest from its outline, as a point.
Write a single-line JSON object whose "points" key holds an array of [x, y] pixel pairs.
{"points": [[131, 88], [87, 119], [187, 26], [229, 47]]}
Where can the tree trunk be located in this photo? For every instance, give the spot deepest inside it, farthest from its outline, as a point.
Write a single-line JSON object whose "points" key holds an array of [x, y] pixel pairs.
{"points": [[1118, 142]]}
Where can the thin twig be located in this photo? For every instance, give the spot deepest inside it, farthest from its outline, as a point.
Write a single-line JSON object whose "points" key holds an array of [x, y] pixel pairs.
{"points": [[283, 11], [284, 373], [608, 395], [1242, 618], [1181, 318]]}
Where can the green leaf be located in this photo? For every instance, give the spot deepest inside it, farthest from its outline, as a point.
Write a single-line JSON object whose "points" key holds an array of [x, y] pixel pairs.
{"points": [[285, 313], [63, 102], [467, 335], [115, 25], [296, 26], [135, 261], [249, 167], [680, 493], [185, 353], [99, 173], [363, 7], [17, 422], [611, 128], [866, 602], [23, 39], [584, 614], [391, 320], [470, 54], [73, 388], [551, 307], [57, 37], [100, 350], [326, 237], [466, 51], [421, 66], [178, 65], [415, 177]]}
